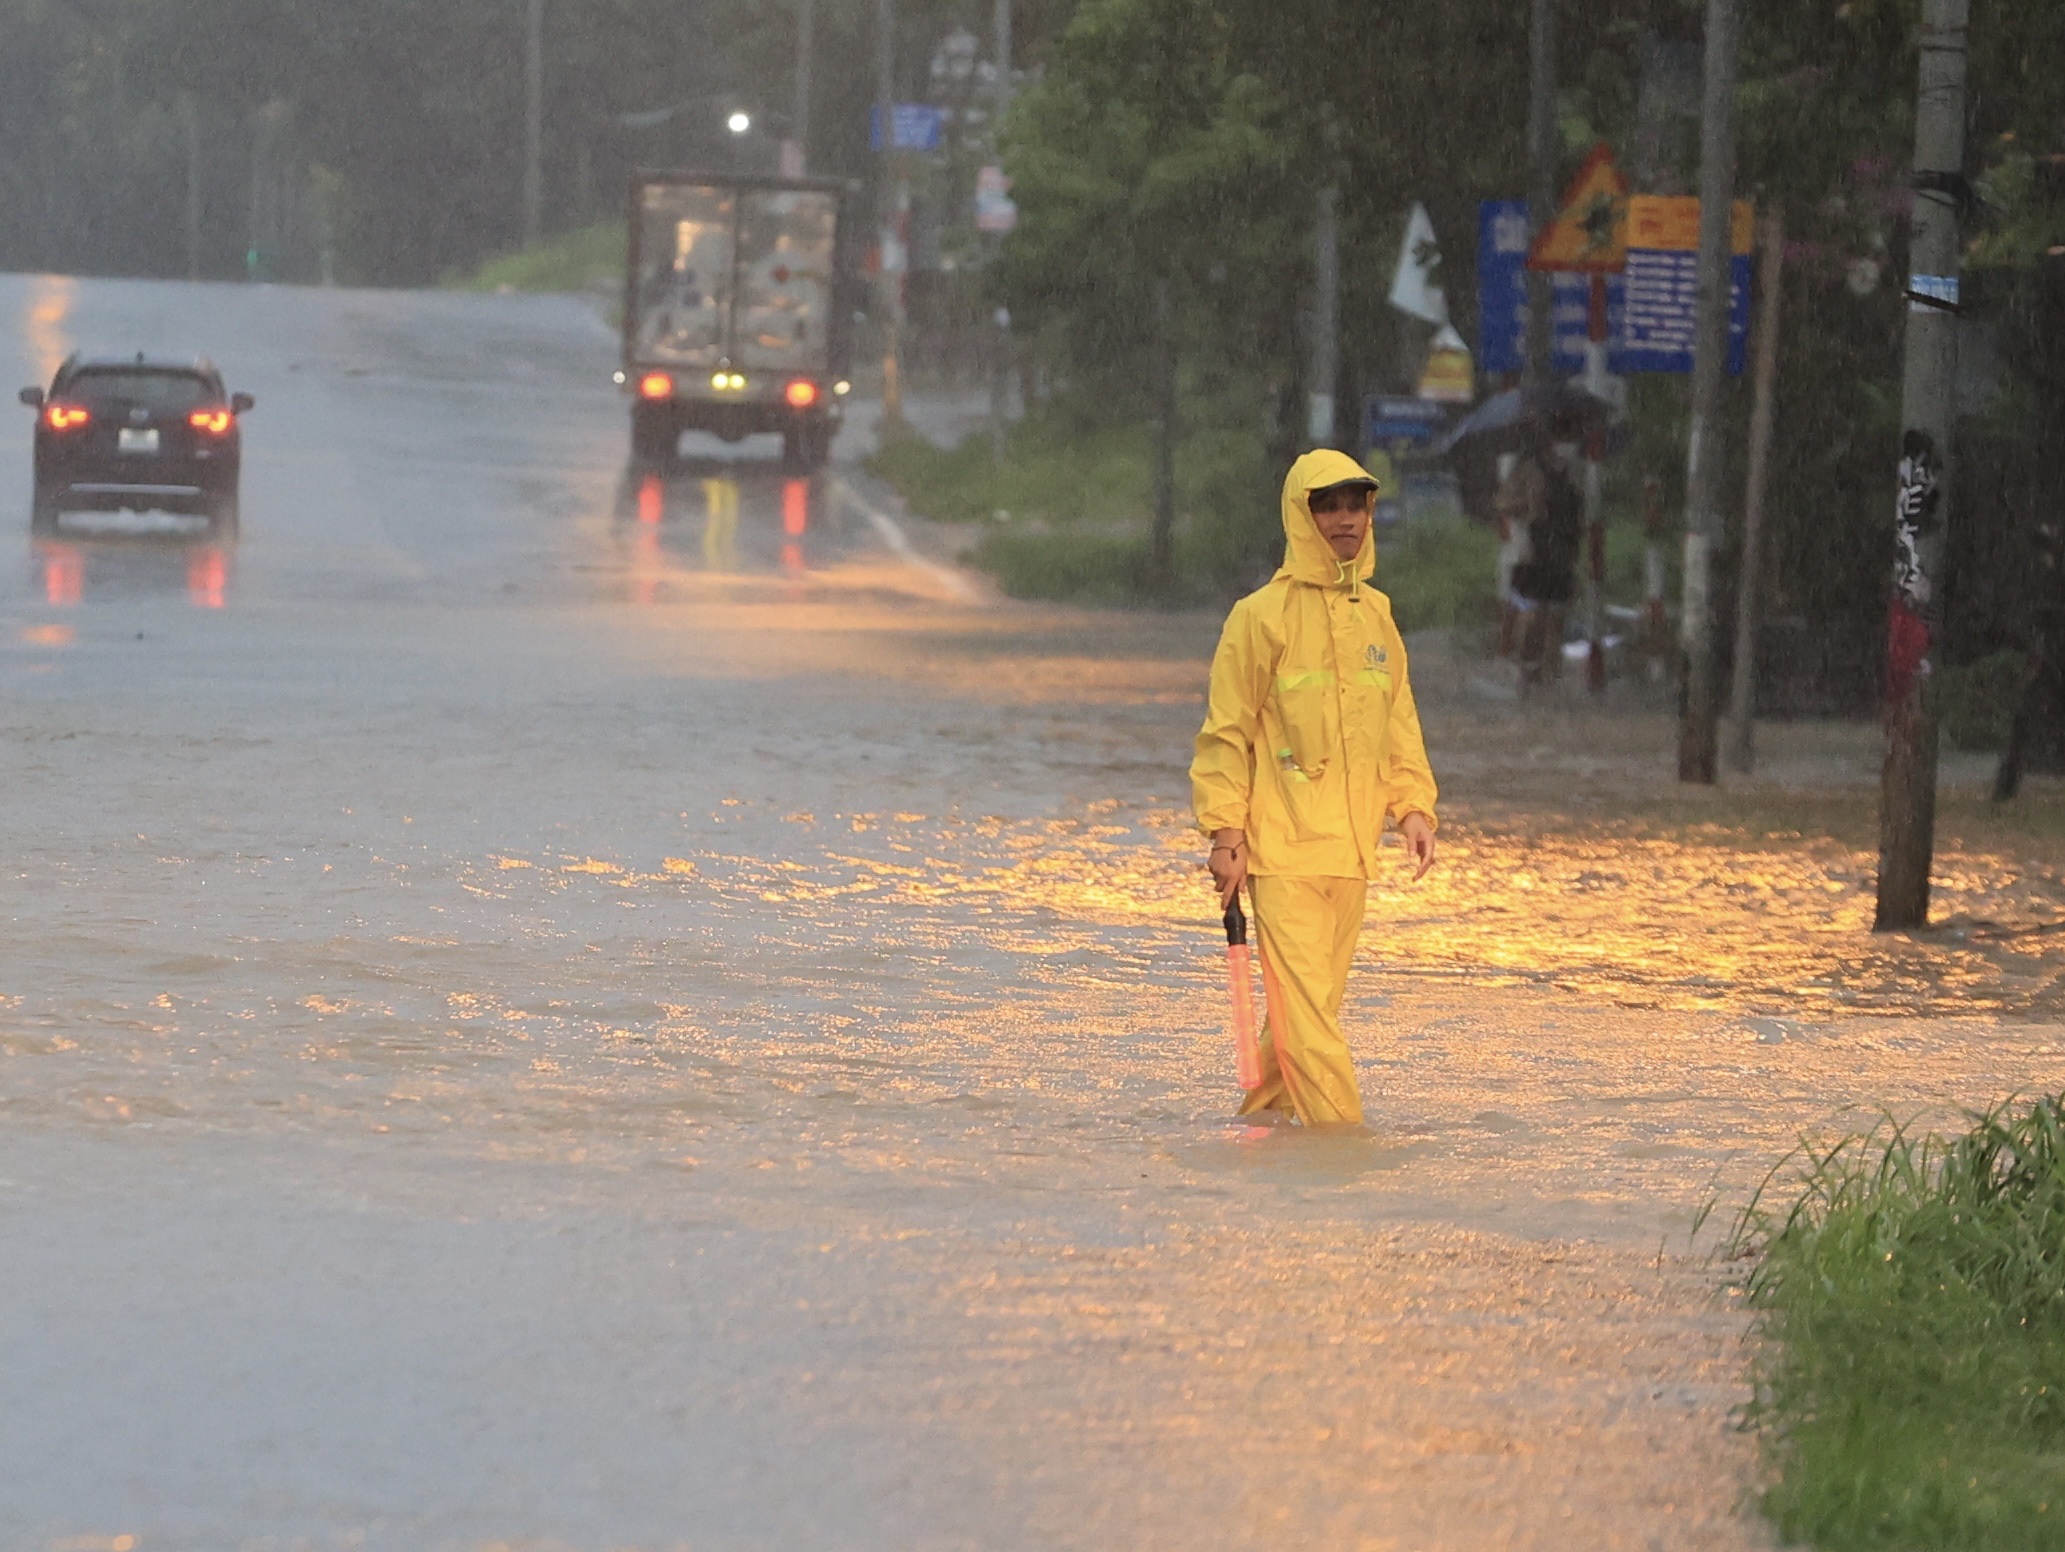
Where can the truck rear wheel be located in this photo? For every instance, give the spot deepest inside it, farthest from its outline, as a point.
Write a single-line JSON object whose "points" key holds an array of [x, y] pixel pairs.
{"points": [[655, 433]]}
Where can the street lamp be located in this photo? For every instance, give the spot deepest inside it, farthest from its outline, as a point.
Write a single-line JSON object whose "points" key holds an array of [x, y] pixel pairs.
{"points": [[739, 122]]}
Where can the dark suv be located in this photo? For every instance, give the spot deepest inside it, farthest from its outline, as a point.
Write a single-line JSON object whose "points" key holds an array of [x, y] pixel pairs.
{"points": [[136, 435]]}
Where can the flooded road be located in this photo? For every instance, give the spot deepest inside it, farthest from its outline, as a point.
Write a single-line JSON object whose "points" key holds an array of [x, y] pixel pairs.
{"points": [[557, 1007]]}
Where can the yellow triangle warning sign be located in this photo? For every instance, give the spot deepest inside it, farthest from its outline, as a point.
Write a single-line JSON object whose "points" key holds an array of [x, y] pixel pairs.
{"points": [[1590, 232]]}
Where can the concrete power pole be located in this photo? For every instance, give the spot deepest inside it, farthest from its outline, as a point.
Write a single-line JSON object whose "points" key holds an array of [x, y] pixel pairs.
{"points": [[1003, 56], [799, 114], [1326, 317], [889, 238], [1699, 713], [534, 123], [1542, 140], [1161, 548], [190, 122], [1000, 340], [1907, 802]]}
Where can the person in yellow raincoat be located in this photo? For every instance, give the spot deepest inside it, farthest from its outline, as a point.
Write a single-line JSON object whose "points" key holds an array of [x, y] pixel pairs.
{"points": [[1310, 742]]}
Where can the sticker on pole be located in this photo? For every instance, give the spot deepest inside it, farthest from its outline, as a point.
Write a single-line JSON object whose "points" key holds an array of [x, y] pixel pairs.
{"points": [[1590, 232]]}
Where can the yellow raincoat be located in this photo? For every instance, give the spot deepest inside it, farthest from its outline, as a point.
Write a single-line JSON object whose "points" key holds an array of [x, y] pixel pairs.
{"points": [[1310, 741]]}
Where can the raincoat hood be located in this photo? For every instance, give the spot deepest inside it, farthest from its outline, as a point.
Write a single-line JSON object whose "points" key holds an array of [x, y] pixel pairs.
{"points": [[1307, 556]]}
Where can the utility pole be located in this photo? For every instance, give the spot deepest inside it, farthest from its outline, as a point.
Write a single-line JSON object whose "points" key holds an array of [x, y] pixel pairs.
{"points": [[1000, 339], [534, 124], [798, 162], [1542, 137], [1595, 492], [1003, 57], [1742, 746], [1907, 794], [1699, 712], [263, 220], [890, 239], [1326, 317], [1161, 549], [190, 121]]}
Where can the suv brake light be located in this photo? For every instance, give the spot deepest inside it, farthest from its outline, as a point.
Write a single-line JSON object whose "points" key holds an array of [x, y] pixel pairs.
{"points": [[65, 417], [802, 393], [214, 422], [656, 385]]}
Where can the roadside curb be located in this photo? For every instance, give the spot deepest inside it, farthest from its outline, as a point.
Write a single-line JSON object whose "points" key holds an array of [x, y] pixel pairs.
{"points": [[957, 583]]}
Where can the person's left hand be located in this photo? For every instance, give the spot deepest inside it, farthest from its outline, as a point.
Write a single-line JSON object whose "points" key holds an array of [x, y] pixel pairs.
{"points": [[1419, 840]]}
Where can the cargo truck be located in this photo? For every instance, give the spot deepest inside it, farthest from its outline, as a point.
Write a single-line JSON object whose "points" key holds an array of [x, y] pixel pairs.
{"points": [[736, 315]]}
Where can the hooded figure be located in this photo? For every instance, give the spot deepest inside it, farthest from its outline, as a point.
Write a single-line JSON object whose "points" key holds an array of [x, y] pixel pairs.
{"points": [[1310, 742]]}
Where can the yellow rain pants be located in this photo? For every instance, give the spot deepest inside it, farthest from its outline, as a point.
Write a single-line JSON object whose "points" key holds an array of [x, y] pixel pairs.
{"points": [[1307, 928], [1311, 741]]}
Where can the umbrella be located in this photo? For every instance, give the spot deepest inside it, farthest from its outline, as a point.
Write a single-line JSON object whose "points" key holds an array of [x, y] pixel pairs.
{"points": [[1247, 1055], [1501, 416]]}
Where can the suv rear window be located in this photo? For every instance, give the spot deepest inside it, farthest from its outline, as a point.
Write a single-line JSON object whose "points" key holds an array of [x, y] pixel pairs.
{"points": [[170, 392]]}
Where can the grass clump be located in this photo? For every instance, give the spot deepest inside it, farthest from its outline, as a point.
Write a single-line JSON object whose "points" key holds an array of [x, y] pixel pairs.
{"points": [[1053, 473], [1066, 514], [589, 259], [1911, 1387]]}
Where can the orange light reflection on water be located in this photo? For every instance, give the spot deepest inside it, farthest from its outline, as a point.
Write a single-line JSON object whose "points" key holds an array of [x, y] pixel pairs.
{"points": [[207, 577], [721, 524], [64, 573], [1708, 921]]}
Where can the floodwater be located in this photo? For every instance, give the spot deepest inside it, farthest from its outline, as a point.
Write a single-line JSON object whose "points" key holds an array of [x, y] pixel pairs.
{"points": [[552, 1008]]}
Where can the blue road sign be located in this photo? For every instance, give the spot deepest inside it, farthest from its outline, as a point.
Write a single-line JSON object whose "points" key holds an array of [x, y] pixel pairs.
{"points": [[918, 126], [1663, 287], [1502, 299], [1388, 418], [1648, 309]]}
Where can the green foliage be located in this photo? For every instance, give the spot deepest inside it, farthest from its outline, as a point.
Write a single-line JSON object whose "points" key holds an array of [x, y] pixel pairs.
{"points": [[1055, 472], [1911, 1384], [1068, 567], [1438, 574], [591, 259], [1065, 516], [1976, 700]]}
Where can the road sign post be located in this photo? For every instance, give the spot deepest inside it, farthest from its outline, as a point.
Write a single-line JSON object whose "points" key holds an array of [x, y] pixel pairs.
{"points": [[1589, 237]]}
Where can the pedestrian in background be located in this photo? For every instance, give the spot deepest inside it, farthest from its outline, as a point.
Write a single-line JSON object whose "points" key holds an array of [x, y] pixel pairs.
{"points": [[1541, 499], [1311, 741]]}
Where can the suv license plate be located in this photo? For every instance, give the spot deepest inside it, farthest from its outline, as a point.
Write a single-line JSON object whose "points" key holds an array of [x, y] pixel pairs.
{"points": [[132, 440]]}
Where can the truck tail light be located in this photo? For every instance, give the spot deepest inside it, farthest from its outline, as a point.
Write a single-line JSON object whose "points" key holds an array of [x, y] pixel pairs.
{"points": [[212, 422], [802, 393], [66, 417], [656, 385]]}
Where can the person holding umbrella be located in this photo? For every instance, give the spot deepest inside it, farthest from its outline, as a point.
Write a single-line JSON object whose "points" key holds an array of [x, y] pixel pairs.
{"points": [[1540, 501], [1311, 741]]}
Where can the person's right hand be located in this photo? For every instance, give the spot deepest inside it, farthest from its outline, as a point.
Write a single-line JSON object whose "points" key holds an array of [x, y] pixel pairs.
{"points": [[1229, 864]]}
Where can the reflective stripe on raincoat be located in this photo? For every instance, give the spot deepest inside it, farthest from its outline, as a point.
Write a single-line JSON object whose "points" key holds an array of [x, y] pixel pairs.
{"points": [[1311, 737]]}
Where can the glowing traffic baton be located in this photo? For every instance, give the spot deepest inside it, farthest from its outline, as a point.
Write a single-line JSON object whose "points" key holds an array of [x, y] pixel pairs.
{"points": [[1240, 981]]}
